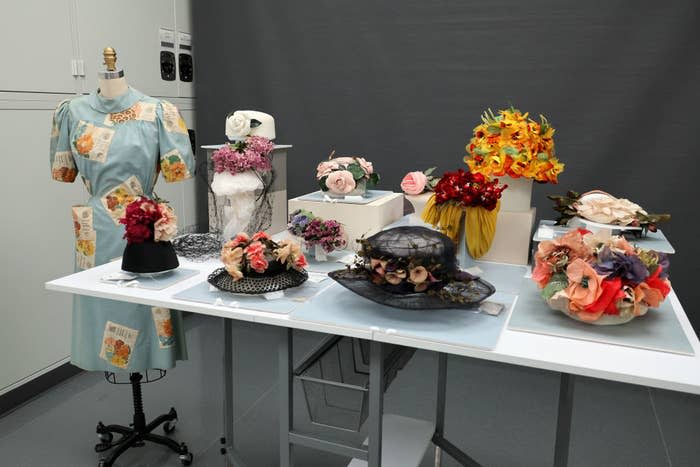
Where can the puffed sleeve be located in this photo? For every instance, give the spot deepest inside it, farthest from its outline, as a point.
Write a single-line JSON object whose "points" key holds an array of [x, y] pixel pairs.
{"points": [[176, 158], [63, 168]]}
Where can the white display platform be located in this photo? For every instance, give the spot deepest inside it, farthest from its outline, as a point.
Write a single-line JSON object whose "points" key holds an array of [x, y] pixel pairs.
{"points": [[658, 330], [462, 327], [368, 197], [359, 220], [404, 441], [656, 241], [155, 281], [291, 299]]}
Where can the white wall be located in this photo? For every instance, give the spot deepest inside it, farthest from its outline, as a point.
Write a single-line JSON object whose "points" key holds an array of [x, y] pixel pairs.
{"points": [[42, 38]]}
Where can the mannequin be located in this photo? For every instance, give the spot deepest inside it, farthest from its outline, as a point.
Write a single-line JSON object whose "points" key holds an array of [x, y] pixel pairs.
{"points": [[111, 82], [121, 141]]}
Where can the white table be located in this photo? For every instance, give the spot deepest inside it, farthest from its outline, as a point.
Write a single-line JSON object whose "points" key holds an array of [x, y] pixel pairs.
{"points": [[570, 357]]}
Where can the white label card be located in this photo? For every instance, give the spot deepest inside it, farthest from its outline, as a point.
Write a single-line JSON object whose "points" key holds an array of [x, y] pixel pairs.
{"points": [[166, 36], [185, 39]]}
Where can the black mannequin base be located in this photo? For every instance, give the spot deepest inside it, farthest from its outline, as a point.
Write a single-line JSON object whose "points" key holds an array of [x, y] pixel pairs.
{"points": [[139, 432]]}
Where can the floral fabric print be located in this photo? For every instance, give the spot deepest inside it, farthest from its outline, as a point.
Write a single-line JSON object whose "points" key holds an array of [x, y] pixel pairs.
{"points": [[63, 168], [172, 120], [116, 199], [92, 142], [145, 111], [118, 342], [173, 167], [164, 327], [85, 237]]}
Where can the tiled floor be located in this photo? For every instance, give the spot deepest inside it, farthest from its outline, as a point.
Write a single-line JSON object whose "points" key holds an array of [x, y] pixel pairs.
{"points": [[502, 415]]}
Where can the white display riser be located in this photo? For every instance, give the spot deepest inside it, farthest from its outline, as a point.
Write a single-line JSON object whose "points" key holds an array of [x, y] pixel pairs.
{"points": [[359, 220], [518, 196], [511, 243]]}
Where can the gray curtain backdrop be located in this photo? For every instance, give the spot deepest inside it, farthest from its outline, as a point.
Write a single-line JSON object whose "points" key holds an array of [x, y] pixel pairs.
{"points": [[403, 83]]}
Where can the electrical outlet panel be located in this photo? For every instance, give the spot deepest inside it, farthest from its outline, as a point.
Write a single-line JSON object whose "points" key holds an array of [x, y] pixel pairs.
{"points": [[185, 67], [167, 65]]}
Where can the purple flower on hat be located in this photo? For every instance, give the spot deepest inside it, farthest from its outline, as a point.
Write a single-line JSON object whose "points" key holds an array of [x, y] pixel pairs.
{"points": [[627, 267]]}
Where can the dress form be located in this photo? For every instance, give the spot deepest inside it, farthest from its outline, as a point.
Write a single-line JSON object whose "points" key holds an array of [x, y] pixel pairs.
{"points": [[111, 82]]}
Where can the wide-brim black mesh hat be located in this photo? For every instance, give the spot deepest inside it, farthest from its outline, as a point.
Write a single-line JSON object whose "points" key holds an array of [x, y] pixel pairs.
{"points": [[456, 289], [273, 280]]}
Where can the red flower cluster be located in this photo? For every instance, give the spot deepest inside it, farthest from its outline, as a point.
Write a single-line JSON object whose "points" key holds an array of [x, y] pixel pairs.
{"points": [[469, 189], [139, 217]]}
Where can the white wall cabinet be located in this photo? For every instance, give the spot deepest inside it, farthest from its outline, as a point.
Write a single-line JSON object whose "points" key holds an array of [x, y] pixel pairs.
{"points": [[131, 28], [183, 24], [37, 46], [42, 37]]}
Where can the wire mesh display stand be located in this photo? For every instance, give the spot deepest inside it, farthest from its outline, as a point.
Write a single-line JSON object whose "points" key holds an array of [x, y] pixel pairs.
{"points": [[289, 438], [139, 431], [381, 367]]}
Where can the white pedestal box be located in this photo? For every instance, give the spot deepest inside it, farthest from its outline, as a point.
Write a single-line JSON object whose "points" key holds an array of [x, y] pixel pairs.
{"points": [[358, 219], [418, 202], [518, 196], [511, 244]]}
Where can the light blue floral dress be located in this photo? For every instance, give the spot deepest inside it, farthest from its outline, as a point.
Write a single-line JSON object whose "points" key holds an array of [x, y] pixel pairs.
{"points": [[118, 147]]}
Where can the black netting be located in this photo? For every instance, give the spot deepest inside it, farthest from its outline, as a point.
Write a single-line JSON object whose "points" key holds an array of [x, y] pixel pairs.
{"points": [[198, 246], [421, 244], [259, 284], [407, 246]]}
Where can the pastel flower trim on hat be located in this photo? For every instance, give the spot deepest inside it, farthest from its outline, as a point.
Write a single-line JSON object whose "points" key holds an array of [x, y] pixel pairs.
{"points": [[342, 175], [604, 208], [243, 255], [313, 230], [149, 219], [252, 153], [600, 280], [510, 143]]}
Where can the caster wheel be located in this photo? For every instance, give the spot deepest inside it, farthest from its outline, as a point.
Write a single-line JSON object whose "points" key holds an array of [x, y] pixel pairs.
{"points": [[169, 426], [102, 447], [186, 459], [105, 437]]}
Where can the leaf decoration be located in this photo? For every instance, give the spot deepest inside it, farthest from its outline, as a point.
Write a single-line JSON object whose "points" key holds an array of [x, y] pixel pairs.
{"points": [[322, 183], [254, 123], [373, 180], [556, 283], [356, 171]]}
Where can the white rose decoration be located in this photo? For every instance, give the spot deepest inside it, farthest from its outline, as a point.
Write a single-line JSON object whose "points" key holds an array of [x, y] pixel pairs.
{"points": [[237, 125], [606, 209]]}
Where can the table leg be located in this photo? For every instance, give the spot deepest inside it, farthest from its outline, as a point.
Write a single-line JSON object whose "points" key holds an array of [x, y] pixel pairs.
{"points": [[376, 403], [564, 413], [440, 404], [441, 444], [228, 388], [286, 380]]}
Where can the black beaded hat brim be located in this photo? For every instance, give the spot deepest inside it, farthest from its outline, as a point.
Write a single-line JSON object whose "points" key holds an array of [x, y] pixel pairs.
{"points": [[257, 285]]}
